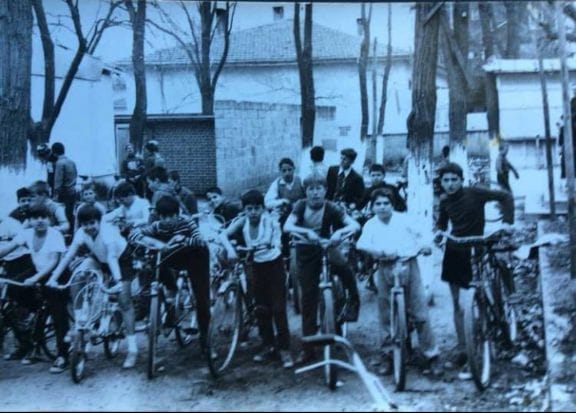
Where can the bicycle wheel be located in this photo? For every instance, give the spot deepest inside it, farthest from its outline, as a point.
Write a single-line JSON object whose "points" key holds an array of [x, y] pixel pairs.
{"points": [[508, 319], [47, 337], [114, 335], [328, 326], [399, 332], [225, 329], [477, 339], [186, 326], [153, 331], [339, 305], [78, 357]]}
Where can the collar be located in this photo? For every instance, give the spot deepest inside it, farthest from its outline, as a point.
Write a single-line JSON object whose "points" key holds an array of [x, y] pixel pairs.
{"points": [[346, 172]]}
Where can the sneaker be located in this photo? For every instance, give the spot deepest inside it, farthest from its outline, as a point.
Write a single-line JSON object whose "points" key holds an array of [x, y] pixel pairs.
{"points": [[266, 354], [130, 361], [457, 360], [286, 359], [60, 364], [465, 374], [29, 358]]}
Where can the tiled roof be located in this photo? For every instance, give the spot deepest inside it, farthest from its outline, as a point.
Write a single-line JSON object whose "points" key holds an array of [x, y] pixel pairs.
{"points": [[273, 43]]}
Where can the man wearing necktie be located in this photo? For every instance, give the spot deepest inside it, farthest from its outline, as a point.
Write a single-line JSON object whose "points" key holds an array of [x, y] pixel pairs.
{"points": [[344, 183]]}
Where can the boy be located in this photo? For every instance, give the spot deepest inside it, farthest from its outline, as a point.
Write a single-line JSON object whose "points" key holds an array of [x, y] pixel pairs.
{"points": [[88, 196], [40, 194], [132, 169], [344, 184], [65, 176], [186, 197], [45, 245], [220, 206], [464, 208], [194, 258], [133, 210], [503, 168], [109, 250], [20, 213], [317, 158], [377, 174], [315, 218], [259, 229], [389, 235], [158, 184], [284, 190]]}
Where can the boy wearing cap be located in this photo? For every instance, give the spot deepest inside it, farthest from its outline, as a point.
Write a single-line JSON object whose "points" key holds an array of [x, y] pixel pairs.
{"points": [[344, 184]]}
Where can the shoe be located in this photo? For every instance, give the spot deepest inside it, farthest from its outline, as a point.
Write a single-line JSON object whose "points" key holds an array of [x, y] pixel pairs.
{"points": [[60, 364], [140, 326], [130, 361], [29, 358], [465, 374], [457, 360], [266, 354], [305, 357], [286, 359], [19, 354]]}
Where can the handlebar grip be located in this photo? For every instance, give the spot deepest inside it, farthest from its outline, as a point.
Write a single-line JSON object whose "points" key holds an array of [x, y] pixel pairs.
{"points": [[320, 339]]}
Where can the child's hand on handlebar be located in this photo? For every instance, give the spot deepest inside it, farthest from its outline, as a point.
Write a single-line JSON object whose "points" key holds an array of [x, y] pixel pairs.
{"points": [[312, 236]]}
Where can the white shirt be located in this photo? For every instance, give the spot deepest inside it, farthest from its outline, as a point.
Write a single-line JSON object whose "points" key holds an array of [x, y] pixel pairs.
{"points": [[9, 229], [268, 233], [137, 214], [107, 243], [54, 242], [399, 237]]}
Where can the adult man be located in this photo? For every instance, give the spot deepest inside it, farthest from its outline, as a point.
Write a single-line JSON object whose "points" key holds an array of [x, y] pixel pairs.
{"points": [[65, 175], [344, 184], [314, 217], [503, 168], [185, 196], [464, 208]]}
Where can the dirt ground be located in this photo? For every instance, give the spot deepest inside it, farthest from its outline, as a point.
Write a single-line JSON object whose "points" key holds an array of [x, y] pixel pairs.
{"points": [[187, 385]]}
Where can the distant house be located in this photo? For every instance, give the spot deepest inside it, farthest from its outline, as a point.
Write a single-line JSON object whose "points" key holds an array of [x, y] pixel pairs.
{"points": [[520, 104]]}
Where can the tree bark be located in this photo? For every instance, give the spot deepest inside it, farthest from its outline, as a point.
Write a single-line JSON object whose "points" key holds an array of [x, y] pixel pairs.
{"points": [[492, 105], [362, 77], [387, 67], [305, 71], [137, 15], [514, 12], [15, 81]]}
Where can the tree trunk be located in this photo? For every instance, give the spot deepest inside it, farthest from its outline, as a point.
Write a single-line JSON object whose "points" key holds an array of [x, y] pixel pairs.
{"points": [[15, 81], [138, 120], [492, 105], [305, 71], [387, 67], [362, 78], [514, 12], [206, 90]]}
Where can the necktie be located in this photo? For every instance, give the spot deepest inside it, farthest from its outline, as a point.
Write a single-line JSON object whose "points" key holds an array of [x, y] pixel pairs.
{"points": [[340, 183]]}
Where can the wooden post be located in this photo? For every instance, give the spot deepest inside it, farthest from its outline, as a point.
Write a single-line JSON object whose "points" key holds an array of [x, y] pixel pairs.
{"points": [[568, 149]]}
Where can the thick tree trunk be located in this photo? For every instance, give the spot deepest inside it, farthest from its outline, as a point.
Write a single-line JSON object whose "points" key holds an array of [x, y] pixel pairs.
{"points": [[138, 120], [492, 106], [305, 71], [515, 11], [15, 81]]}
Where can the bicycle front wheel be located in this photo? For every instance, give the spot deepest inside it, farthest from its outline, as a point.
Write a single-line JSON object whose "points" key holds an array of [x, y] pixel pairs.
{"points": [[78, 357], [185, 327], [114, 335], [477, 338], [399, 332], [328, 326], [47, 336], [225, 329], [153, 331], [508, 319]]}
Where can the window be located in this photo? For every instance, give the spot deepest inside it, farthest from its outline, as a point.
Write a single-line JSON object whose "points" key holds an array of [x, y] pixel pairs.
{"points": [[344, 130], [278, 12]]}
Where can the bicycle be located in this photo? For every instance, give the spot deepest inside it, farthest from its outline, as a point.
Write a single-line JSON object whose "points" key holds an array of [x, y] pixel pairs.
{"points": [[43, 333], [97, 319], [177, 314], [331, 306], [400, 322], [489, 314], [233, 312], [372, 383]]}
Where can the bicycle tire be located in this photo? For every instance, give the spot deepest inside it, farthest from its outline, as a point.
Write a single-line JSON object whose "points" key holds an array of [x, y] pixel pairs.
{"points": [[47, 339], [477, 339], [225, 329], [184, 302], [78, 357], [296, 289], [153, 331], [508, 320], [399, 332], [339, 295], [114, 335], [328, 326]]}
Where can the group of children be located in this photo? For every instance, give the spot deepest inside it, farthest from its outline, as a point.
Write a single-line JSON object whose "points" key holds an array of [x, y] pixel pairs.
{"points": [[37, 253]]}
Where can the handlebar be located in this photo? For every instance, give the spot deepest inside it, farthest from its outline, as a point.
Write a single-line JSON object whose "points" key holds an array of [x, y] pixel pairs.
{"points": [[478, 240], [15, 283], [324, 243]]}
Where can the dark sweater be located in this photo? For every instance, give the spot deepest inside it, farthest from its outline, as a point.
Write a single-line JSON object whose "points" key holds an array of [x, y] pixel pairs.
{"points": [[465, 209]]}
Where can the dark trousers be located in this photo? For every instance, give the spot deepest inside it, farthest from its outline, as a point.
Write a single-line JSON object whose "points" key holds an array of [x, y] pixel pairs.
{"points": [[309, 267], [270, 297], [196, 261], [68, 199]]}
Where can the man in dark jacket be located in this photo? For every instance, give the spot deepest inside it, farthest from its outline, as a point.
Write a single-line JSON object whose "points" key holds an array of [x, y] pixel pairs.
{"points": [[344, 183]]}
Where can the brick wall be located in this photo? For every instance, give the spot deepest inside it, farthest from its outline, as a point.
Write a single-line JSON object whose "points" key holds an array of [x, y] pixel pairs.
{"points": [[188, 146], [250, 140]]}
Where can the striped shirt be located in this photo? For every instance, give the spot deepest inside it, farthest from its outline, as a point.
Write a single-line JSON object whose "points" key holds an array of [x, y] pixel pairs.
{"points": [[165, 232]]}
